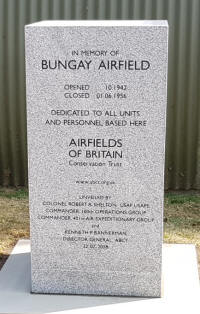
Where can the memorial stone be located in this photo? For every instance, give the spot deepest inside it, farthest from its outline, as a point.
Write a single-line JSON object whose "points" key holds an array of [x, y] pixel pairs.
{"points": [[96, 111]]}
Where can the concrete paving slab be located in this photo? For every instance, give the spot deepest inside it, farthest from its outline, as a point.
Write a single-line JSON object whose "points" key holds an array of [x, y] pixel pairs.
{"points": [[181, 293]]}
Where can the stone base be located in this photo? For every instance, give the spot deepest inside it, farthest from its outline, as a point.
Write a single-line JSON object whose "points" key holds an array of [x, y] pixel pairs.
{"points": [[181, 293]]}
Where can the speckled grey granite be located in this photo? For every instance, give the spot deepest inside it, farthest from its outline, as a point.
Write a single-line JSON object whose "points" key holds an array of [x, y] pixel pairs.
{"points": [[96, 145]]}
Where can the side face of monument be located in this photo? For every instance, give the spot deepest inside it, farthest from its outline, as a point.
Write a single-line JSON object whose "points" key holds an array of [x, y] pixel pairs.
{"points": [[96, 110]]}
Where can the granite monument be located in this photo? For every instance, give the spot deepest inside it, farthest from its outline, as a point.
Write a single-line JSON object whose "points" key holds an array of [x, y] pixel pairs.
{"points": [[96, 111]]}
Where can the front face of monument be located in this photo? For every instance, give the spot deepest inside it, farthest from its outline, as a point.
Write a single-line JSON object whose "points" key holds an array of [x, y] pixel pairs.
{"points": [[96, 103]]}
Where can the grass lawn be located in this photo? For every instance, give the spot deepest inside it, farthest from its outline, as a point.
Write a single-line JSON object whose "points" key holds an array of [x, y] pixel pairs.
{"points": [[181, 219]]}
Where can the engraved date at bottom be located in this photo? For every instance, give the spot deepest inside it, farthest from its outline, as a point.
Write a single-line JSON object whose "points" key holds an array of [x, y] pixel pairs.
{"points": [[96, 246]]}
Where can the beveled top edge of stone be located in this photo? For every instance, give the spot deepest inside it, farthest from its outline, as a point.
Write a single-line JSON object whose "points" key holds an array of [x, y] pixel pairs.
{"points": [[70, 23]]}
